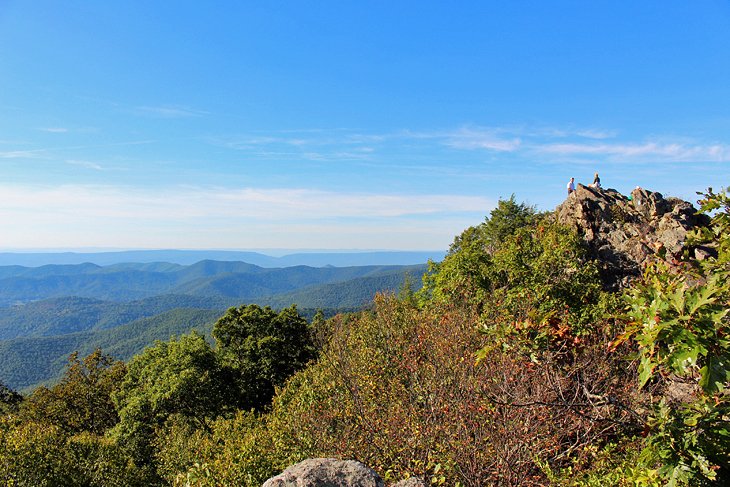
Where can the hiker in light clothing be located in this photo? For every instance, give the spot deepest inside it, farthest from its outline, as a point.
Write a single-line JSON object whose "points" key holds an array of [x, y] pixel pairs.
{"points": [[571, 186]]}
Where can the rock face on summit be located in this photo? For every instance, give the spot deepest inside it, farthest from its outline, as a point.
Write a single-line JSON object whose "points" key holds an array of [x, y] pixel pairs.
{"points": [[623, 233], [326, 472]]}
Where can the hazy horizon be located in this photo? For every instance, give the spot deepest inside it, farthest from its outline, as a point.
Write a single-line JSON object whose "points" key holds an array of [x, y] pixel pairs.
{"points": [[272, 251]]}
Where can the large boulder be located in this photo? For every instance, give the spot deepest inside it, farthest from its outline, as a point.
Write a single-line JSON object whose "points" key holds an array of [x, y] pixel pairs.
{"points": [[326, 472], [623, 233]]}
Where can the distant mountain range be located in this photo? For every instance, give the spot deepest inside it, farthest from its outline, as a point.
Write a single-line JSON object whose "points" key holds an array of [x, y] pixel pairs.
{"points": [[49, 311], [187, 257], [230, 280]]}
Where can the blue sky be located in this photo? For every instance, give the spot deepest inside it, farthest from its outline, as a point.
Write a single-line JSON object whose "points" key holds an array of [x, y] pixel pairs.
{"points": [[343, 124]]}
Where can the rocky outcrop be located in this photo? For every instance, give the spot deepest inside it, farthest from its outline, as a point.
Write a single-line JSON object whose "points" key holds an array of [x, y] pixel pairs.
{"points": [[624, 232], [326, 472]]}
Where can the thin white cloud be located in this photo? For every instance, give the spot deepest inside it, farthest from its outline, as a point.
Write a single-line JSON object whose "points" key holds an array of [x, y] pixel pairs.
{"points": [[670, 152], [51, 152], [540, 141], [542, 132], [55, 130], [21, 154], [596, 134], [169, 111], [86, 164], [480, 138]]}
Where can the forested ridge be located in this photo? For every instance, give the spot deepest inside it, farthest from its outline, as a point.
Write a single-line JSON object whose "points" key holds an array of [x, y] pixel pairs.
{"points": [[81, 307], [128, 282], [524, 359]]}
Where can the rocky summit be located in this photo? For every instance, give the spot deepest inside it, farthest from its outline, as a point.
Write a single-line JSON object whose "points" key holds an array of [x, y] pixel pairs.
{"points": [[624, 233]]}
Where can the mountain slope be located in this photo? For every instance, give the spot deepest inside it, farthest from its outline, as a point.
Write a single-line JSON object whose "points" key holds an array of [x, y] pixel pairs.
{"points": [[58, 316], [27, 362]]}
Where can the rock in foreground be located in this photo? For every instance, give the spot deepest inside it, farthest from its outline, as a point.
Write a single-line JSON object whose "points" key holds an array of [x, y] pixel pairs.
{"points": [[326, 472]]}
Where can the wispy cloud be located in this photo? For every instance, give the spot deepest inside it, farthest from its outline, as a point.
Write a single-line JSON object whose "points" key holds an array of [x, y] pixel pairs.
{"points": [[169, 111], [49, 152], [21, 154], [549, 144], [596, 134], [54, 130], [86, 164], [480, 138], [648, 151]]}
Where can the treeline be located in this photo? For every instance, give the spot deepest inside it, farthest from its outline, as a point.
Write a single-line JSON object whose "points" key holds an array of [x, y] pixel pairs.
{"points": [[511, 366]]}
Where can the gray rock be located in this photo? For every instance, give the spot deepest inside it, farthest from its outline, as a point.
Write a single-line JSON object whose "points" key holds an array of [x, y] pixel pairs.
{"points": [[624, 234], [326, 472]]}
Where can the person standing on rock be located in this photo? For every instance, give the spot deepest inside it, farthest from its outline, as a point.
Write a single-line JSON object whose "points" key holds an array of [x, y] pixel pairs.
{"points": [[571, 186]]}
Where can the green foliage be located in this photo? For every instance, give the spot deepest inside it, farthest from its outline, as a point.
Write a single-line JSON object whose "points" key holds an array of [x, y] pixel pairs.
{"points": [[541, 270], [41, 454], [681, 327], [239, 452], [679, 319], [464, 273], [178, 446], [82, 400], [180, 377], [718, 206], [508, 217], [9, 399], [33, 454], [262, 349], [31, 362], [524, 272], [528, 276], [617, 464]]}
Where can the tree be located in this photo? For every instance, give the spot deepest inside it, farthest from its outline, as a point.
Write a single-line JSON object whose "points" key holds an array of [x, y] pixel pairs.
{"points": [[464, 273], [82, 400], [179, 378], [508, 217], [262, 349], [9, 399]]}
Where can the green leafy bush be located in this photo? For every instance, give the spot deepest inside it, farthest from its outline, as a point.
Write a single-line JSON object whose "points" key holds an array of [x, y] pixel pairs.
{"points": [[679, 318]]}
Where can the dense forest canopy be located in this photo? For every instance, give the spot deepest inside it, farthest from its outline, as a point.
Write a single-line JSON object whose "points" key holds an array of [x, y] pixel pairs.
{"points": [[514, 364]]}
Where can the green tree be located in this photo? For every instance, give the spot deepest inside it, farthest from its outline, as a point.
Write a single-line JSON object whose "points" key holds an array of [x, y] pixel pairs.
{"points": [[179, 378], [82, 400], [262, 349], [508, 217], [464, 273], [9, 399]]}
